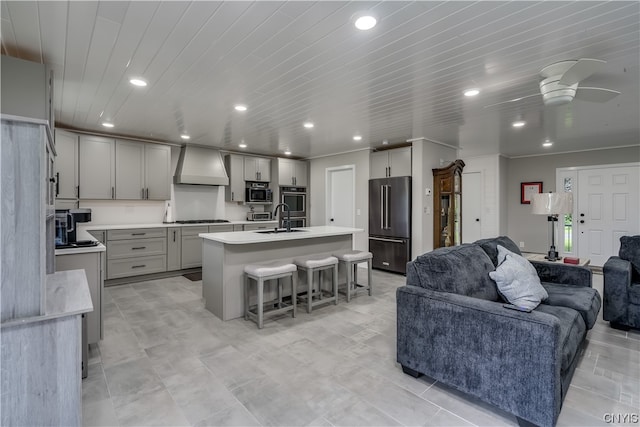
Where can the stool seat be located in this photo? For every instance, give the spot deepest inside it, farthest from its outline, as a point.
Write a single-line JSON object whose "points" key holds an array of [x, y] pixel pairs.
{"points": [[269, 269], [315, 261], [353, 255]]}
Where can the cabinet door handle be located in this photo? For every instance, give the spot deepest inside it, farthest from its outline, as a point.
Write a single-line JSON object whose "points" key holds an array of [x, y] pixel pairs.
{"points": [[77, 191], [138, 248], [113, 192], [138, 234], [142, 190], [232, 196], [147, 193], [174, 235], [138, 266], [57, 183]]}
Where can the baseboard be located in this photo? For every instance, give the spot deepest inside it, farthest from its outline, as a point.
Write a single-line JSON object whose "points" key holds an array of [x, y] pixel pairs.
{"points": [[153, 276]]}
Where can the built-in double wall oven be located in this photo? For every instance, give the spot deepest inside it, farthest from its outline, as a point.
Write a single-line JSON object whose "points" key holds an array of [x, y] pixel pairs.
{"points": [[296, 199]]}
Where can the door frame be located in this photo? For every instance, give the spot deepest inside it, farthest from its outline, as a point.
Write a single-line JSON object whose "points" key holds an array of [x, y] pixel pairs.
{"points": [[480, 205], [327, 186], [572, 172]]}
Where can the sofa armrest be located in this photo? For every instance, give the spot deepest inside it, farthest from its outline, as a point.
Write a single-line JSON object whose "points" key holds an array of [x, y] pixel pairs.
{"points": [[617, 280], [563, 274], [507, 358]]}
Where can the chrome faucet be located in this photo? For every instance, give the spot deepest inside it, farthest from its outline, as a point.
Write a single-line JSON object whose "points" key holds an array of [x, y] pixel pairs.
{"points": [[275, 215]]}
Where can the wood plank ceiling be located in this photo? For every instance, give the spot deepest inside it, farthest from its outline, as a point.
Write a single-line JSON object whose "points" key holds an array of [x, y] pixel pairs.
{"points": [[292, 62]]}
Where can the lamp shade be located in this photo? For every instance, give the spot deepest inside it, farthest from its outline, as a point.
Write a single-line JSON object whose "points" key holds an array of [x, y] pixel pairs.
{"points": [[552, 203]]}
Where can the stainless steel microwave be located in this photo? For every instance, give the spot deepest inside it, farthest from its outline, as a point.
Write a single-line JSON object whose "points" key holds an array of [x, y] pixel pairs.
{"points": [[258, 193]]}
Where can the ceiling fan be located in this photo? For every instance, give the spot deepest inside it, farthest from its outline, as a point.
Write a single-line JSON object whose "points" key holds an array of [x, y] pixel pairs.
{"points": [[559, 83]]}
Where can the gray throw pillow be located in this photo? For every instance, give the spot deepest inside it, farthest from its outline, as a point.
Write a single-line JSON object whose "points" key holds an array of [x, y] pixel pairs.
{"points": [[517, 280]]}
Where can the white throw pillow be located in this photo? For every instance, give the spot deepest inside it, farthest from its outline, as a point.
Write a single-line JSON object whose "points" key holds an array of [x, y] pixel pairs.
{"points": [[517, 280]]}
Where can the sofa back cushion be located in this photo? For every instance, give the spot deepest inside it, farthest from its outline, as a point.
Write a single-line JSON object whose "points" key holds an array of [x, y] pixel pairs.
{"points": [[490, 246], [462, 270], [630, 251]]}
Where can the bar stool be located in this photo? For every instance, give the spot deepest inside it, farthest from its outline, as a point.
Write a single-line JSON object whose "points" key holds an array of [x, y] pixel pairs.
{"points": [[351, 259], [319, 263], [262, 273]]}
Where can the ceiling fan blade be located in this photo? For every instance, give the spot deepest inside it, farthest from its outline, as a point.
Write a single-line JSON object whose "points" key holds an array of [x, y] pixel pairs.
{"points": [[511, 100], [595, 94], [582, 69]]}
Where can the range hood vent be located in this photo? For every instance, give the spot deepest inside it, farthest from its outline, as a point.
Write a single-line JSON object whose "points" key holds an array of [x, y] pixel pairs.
{"points": [[200, 166]]}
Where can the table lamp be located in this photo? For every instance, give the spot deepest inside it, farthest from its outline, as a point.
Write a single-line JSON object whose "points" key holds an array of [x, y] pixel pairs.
{"points": [[553, 205]]}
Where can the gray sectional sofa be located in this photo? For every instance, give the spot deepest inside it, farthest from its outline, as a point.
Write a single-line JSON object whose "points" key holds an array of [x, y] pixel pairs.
{"points": [[453, 326]]}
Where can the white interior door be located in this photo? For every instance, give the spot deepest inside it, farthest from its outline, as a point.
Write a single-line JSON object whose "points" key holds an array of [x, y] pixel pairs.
{"points": [[340, 197], [471, 207], [608, 208]]}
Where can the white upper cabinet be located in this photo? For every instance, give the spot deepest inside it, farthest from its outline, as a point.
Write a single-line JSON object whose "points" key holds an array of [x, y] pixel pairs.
{"points": [[157, 171], [97, 167], [235, 191], [257, 169], [124, 170], [66, 165], [390, 163], [129, 170], [292, 172]]}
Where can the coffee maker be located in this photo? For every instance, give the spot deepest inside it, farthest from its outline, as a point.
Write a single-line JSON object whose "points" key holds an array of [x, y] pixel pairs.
{"points": [[66, 220]]}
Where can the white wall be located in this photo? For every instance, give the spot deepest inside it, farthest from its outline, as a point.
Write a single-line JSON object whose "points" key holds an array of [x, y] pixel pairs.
{"points": [[317, 184], [426, 156]]}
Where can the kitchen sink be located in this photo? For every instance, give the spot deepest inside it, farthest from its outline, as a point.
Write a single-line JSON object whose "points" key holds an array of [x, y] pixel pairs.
{"points": [[279, 230]]}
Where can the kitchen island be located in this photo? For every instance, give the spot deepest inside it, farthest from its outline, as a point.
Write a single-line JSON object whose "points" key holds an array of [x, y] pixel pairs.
{"points": [[226, 254]]}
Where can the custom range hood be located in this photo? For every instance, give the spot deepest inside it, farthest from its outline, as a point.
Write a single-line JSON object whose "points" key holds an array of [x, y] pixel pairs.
{"points": [[200, 166]]}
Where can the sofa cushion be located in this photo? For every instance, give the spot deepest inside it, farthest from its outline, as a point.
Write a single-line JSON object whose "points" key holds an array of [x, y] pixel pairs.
{"points": [[462, 269], [517, 280], [490, 246], [630, 251], [585, 301], [634, 293], [572, 331]]}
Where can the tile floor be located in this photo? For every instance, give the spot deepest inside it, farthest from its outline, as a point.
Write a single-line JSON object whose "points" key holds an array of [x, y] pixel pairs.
{"points": [[165, 360]]}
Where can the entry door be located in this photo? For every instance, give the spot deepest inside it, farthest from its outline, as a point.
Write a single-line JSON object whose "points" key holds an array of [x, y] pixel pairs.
{"points": [[471, 206], [340, 195], [608, 208]]}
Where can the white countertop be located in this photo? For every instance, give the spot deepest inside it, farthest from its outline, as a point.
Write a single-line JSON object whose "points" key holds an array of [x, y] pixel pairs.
{"points": [[67, 294], [82, 250], [248, 237]]}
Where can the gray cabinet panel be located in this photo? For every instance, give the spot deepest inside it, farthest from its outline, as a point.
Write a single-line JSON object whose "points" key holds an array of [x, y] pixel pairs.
{"points": [[191, 251], [66, 165], [118, 268], [257, 169], [174, 248], [235, 191], [129, 168], [136, 233], [390, 163], [379, 163], [157, 171], [220, 228], [26, 89], [137, 247], [300, 173], [97, 167]]}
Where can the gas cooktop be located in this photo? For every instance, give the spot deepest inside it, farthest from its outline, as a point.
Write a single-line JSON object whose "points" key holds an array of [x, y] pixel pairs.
{"points": [[201, 221]]}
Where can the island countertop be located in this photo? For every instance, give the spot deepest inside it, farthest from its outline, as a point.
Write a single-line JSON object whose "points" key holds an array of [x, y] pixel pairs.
{"points": [[248, 237]]}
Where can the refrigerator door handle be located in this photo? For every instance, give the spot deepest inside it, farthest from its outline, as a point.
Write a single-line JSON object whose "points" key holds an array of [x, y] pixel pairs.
{"points": [[382, 204], [386, 206], [380, 239]]}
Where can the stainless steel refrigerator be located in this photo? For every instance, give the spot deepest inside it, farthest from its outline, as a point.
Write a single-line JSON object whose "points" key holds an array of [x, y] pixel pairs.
{"points": [[390, 223]]}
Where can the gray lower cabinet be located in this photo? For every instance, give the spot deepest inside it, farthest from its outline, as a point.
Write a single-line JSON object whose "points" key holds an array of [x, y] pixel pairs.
{"points": [[93, 265], [99, 235], [259, 226], [192, 246], [132, 252], [174, 248]]}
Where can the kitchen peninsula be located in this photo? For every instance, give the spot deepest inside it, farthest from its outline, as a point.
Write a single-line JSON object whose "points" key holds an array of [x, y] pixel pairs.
{"points": [[225, 255]]}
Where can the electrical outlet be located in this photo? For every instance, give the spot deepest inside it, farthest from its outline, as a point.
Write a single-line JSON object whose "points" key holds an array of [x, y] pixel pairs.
{"points": [[522, 244]]}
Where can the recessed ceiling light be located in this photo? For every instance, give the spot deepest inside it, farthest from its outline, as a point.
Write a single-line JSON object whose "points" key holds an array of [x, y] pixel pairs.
{"points": [[357, 138], [518, 124], [385, 142], [471, 92], [365, 22], [308, 125], [547, 143], [240, 107], [185, 136], [107, 124], [138, 82], [242, 145], [288, 153]]}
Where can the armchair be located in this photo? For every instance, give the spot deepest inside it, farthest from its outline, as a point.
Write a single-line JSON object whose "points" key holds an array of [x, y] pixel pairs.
{"points": [[622, 285]]}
